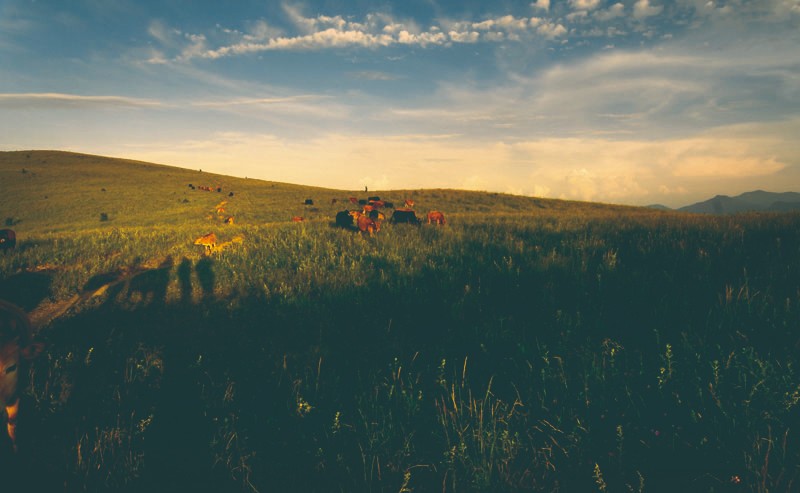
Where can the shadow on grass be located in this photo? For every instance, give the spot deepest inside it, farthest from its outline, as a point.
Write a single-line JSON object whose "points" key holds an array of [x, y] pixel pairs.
{"points": [[142, 394], [26, 289]]}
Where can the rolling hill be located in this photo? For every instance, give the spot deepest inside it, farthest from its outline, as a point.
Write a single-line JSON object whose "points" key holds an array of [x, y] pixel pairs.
{"points": [[62, 191]]}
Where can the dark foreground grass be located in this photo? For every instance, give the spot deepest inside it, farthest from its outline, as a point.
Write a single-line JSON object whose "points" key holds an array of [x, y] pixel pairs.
{"points": [[562, 352]]}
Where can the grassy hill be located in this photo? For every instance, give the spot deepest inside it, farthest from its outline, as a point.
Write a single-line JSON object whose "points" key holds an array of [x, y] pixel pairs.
{"points": [[528, 345], [53, 191]]}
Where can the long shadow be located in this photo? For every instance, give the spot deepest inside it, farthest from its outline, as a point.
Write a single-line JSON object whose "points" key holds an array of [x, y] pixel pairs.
{"points": [[26, 289], [185, 280], [205, 274]]}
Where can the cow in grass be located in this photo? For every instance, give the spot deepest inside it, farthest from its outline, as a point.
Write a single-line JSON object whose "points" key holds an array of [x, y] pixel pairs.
{"points": [[367, 225], [345, 219], [209, 241], [404, 216], [8, 239], [436, 217], [17, 349], [298, 219], [408, 204]]}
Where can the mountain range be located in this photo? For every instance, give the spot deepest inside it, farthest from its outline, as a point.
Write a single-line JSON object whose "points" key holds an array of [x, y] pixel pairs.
{"points": [[757, 200]]}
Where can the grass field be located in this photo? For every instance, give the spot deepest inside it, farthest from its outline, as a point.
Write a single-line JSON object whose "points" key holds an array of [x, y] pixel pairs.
{"points": [[528, 345]]}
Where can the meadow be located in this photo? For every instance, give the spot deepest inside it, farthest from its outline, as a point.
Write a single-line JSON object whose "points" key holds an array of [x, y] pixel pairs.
{"points": [[528, 345]]}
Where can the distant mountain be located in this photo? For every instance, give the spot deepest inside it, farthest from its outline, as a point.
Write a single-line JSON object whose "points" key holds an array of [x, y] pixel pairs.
{"points": [[660, 207], [758, 200]]}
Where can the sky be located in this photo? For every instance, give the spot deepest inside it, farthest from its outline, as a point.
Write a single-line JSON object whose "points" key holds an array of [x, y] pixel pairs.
{"points": [[629, 102]]}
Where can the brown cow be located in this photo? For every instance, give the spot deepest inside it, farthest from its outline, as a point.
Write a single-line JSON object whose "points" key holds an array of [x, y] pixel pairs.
{"points": [[297, 219], [409, 204], [353, 200], [208, 240], [436, 217], [367, 225], [17, 348]]}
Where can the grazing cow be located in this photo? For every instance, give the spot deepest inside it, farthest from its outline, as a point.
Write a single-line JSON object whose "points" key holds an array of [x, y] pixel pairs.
{"points": [[368, 208], [376, 215], [8, 239], [208, 240], [17, 348], [388, 205], [230, 194], [297, 219], [344, 219], [363, 201], [333, 201], [404, 216], [353, 200], [367, 225], [309, 202], [378, 204], [373, 199], [229, 220], [409, 204], [219, 189], [436, 217]]}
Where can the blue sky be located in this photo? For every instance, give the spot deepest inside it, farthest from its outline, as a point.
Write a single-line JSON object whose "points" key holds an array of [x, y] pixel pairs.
{"points": [[630, 101]]}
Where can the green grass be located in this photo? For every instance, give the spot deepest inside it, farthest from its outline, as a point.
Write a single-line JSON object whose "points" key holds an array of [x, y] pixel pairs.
{"points": [[529, 345]]}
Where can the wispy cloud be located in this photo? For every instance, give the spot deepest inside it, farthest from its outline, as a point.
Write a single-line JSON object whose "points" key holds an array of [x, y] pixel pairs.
{"points": [[57, 100]]}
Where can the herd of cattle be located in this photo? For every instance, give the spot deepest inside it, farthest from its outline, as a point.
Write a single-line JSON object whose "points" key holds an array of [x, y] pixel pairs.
{"points": [[369, 218]]}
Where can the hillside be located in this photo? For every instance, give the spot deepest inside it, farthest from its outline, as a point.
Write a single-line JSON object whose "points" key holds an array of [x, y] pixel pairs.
{"points": [[60, 191]]}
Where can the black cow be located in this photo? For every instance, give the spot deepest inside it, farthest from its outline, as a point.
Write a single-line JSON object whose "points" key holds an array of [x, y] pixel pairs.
{"points": [[406, 216], [373, 199], [309, 202], [8, 239], [344, 219], [388, 205]]}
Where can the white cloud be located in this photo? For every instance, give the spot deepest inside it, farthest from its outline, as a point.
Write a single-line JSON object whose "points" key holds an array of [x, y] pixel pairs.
{"points": [[642, 9], [541, 4], [374, 31], [422, 39], [551, 30], [584, 4], [469, 37], [613, 12]]}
